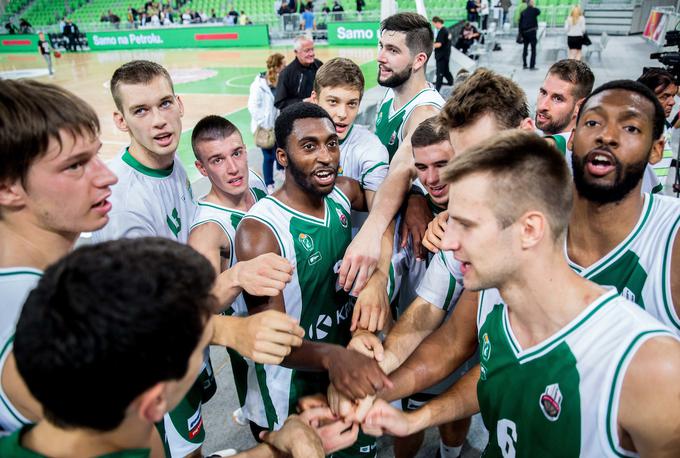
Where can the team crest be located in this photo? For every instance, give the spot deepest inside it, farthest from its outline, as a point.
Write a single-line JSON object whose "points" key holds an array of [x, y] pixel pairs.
{"points": [[377, 121], [306, 241], [393, 138], [551, 402], [340, 171], [486, 347], [343, 218]]}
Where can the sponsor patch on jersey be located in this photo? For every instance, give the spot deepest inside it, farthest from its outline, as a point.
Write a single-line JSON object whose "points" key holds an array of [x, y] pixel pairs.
{"points": [[323, 326], [306, 241], [628, 294], [314, 258], [486, 347], [377, 121], [343, 218], [195, 423], [551, 402], [340, 171], [482, 372], [393, 138]]}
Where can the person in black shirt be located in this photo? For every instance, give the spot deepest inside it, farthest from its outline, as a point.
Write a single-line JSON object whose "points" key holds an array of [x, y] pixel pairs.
{"points": [[442, 53], [468, 35], [528, 26], [337, 9], [297, 79], [472, 11], [44, 48]]}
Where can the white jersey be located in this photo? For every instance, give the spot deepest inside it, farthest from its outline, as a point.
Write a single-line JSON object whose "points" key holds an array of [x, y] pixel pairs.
{"points": [[228, 219], [639, 266], [148, 202], [315, 247], [561, 396], [442, 283], [15, 284], [365, 159]]}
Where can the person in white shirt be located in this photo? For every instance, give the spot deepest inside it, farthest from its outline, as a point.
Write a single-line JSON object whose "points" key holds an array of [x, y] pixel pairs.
{"points": [[575, 25]]}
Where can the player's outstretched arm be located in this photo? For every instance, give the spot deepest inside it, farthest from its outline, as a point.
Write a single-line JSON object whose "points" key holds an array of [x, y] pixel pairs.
{"points": [[440, 353], [649, 404]]}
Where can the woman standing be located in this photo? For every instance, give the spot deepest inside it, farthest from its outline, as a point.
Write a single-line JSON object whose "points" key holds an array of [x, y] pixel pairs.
{"points": [[263, 114], [576, 28]]}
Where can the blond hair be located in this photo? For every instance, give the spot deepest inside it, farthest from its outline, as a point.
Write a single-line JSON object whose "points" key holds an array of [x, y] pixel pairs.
{"points": [[575, 14], [273, 62]]}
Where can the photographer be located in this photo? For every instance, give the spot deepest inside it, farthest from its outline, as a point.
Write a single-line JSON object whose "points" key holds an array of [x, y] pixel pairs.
{"points": [[664, 86]]}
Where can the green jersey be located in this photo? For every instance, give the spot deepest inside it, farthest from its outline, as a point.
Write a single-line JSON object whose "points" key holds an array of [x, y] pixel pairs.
{"points": [[640, 266], [561, 396], [315, 247], [389, 125], [10, 447]]}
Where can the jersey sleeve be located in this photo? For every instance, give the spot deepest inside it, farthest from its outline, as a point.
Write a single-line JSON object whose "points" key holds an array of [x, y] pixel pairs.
{"points": [[374, 165], [440, 287]]}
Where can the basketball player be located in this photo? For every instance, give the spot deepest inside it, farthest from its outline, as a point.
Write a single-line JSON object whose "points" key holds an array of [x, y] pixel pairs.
{"points": [[308, 222], [153, 198], [53, 186], [565, 363], [118, 344], [338, 89], [406, 43]]}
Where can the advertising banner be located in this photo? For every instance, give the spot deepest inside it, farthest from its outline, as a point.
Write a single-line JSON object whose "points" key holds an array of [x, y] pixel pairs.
{"points": [[353, 33], [656, 25], [19, 43], [181, 37]]}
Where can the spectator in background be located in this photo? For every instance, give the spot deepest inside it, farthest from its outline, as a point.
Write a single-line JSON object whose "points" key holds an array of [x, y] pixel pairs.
{"points": [[307, 21], [213, 15], [575, 25], [472, 11], [263, 113], [484, 13], [25, 26], [114, 19], [442, 53], [505, 6], [360, 7], [297, 79], [468, 35], [325, 10], [243, 19], [232, 12], [44, 48], [528, 27], [104, 17], [71, 34], [337, 9], [186, 17]]}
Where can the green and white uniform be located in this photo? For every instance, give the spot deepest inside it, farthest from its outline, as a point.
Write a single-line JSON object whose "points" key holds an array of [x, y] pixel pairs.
{"points": [[227, 219], [389, 125], [315, 247], [148, 202], [15, 284], [154, 202], [662, 168], [365, 159], [560, 397], [650, 180], [10, 447], [640, 266]]}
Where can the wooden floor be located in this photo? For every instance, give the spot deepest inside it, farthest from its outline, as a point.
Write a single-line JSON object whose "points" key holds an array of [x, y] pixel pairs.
{"points": [[209, 82]]}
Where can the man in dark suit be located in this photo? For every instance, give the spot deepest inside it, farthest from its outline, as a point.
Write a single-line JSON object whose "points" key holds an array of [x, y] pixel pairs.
{"points": [[528, 26], [442, 53]]}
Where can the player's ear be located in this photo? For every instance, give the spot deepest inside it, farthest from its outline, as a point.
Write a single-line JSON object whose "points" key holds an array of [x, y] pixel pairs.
{"points": [[656, 154], [201, 168], [314, 98], [527, 124], [570, 142], [12, 194], [152, 404], [533, 227], [420, 61], [282, 157], [119, 121], [181, 105]]}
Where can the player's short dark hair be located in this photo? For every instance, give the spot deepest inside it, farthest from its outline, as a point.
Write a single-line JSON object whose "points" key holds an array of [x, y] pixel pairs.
{"points": [[286, 119], [657, 79], [419, 35], [339, 72], [485, 92], [429, 132], [527, 172], [437, 19], [211, 128], [658, 117], [32, 114], [575, 72], [108, 322], [136, 72]]}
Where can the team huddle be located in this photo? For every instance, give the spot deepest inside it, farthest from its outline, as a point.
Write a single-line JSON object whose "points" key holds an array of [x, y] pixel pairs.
{"points": [[453, 262]]}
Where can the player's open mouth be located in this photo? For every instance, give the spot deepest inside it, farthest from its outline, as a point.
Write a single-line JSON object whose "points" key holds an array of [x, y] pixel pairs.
{"points": [[599, 163], [542, 117], [163, 139], [103, 205], [437, 191], [465, 267], [325, 177], [340, 128], [238, 181]]}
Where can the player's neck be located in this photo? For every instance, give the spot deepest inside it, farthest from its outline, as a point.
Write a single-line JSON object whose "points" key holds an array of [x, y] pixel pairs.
{"points": [[407, 91], [595, 229], [150, 159], [300, 199], [544, 296], [241, 202], [24, 243], [55, 442]]}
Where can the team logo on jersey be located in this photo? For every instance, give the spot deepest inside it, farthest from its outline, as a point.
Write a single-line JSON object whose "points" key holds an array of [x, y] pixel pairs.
{"points": [[551, 402], [377, 121], [194, 423], [628, 294], [393, 138], [323, 326], [340, 171], [486, 347], [306, 241], [343, 218], [482, 372], [174, 222]]}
